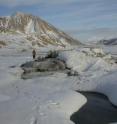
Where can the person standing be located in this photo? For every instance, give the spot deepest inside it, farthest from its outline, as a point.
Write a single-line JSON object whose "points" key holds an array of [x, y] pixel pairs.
{"points": [[34, 54]]}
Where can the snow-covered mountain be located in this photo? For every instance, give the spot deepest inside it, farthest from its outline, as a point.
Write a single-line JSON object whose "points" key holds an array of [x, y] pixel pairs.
{"points": [[35, 30], [112, 41]]}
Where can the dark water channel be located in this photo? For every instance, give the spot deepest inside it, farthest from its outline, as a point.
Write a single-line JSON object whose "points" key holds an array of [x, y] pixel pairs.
{"points": [[97, 110]]}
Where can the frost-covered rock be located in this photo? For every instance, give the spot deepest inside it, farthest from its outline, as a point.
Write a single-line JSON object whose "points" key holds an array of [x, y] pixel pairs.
{"points": [[73, 73], [49, 64], [97, 52]]}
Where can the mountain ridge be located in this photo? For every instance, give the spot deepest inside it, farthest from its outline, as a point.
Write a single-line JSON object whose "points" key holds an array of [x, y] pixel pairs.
{"points": [[36, 29], [111, 41]]}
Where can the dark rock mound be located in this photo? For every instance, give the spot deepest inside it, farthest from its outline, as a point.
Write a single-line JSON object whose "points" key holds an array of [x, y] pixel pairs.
{"points": [[49, 64]]}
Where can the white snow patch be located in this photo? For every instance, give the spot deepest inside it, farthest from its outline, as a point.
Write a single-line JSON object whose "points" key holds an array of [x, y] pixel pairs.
{"points": [[30, 27], [78, 61], [106, 84], [53, 34], [4, 98]]}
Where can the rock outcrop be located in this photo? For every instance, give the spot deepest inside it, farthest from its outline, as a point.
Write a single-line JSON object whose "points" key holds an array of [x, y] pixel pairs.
{"points": [[50, 64]]}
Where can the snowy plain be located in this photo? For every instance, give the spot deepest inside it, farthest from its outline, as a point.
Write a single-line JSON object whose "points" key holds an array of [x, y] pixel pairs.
{"points": [[53, 99], [39, 100]]}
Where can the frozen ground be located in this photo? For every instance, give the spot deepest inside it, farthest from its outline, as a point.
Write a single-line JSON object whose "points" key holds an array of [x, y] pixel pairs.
{"points": [[40, 100], [52, 99]]}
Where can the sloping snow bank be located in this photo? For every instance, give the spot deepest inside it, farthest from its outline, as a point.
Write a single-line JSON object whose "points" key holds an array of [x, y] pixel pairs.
{"points": [[98, 74], [85, 61], [78, 61], [106, 84]]}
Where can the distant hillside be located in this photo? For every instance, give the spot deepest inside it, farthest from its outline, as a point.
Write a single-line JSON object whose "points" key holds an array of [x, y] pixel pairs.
{"points": [[35, 30], [112, 41]]}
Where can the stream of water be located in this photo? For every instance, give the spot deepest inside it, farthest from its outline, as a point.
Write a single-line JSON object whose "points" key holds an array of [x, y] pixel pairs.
{"points": [[97, 110]]}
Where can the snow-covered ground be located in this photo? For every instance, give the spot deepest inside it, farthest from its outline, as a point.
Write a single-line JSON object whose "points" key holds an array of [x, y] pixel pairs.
{"points": [[53, 99], [39, 100], [96, 74]]}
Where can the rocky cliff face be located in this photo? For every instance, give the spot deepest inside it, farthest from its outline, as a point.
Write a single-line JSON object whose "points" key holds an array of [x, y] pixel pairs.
{"points": [[36, 30]]}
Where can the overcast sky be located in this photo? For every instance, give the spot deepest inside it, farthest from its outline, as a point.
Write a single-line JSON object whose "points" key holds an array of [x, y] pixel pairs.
{"points": [[82, 19]]}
